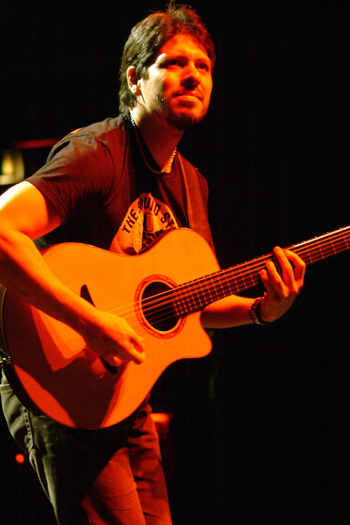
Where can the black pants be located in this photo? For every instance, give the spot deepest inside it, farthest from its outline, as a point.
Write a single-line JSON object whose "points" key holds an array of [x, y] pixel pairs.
{"points": [[110, 476]]}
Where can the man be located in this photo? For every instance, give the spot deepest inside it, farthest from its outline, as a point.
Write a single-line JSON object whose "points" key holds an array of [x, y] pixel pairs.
{"points": [[118, 184]]}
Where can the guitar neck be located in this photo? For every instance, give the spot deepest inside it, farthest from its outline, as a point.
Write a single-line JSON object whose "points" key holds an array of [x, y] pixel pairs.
{"points": [[197, 294]]}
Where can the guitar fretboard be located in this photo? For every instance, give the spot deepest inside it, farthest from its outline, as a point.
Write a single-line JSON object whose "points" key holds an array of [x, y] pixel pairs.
{"points": [[197, 294]]}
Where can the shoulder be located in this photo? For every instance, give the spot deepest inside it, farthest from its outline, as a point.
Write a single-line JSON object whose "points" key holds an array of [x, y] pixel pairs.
{"points": [[104, 131], [108, 134], [83, 166]]}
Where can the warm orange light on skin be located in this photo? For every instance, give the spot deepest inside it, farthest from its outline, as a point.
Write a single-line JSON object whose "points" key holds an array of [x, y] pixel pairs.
{"points": [[180, 79]]}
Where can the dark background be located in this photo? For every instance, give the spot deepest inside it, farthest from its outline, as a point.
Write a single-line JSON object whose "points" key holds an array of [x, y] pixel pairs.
{"points": [[260, 432]]}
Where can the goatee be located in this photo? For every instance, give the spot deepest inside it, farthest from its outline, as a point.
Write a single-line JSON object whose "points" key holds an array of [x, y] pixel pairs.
{"points": [[183, 118], [182, 121]]}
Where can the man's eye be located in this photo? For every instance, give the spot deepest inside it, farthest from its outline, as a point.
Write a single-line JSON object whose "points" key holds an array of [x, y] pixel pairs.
{"points": [[204, 66]]}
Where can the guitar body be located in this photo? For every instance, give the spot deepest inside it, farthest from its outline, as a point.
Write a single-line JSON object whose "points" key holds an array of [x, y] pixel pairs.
{"points": [[160, 293], [68, 381]]}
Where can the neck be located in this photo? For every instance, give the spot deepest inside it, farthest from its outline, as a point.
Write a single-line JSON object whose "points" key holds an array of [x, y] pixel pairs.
{"points": [[161, 139]]}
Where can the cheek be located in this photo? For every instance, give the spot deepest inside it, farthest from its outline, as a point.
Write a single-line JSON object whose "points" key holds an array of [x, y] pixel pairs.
{"points": [[161, 87], [208, 88], [168, 84], [153, 87]]}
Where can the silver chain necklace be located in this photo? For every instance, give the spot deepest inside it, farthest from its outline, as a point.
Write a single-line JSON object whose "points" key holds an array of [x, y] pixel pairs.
{"points": [[167, 165]]}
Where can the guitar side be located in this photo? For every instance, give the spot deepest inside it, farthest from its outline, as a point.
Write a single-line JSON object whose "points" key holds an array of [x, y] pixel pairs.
{"points": [[68, 381]]}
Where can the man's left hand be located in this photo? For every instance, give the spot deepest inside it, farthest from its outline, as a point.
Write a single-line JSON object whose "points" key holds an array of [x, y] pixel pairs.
{"points": [[284, 287]]}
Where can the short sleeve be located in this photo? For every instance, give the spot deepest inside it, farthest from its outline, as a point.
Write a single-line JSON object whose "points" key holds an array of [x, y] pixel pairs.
{"points": [[82, 168]]}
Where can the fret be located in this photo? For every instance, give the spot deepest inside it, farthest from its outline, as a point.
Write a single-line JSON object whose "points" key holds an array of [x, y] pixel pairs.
{"points": [[197, 294], [324, 246]]}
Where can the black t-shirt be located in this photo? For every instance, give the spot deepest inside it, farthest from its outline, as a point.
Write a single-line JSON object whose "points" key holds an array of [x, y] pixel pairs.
{"points": [[106, 196]]}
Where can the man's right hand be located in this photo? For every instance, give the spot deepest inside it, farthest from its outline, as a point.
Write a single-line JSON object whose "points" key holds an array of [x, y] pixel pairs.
{"points": [[113, 339]]}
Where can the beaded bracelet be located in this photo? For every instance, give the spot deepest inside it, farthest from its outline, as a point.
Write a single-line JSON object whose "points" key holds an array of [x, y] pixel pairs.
{"points": [[254, 312]]}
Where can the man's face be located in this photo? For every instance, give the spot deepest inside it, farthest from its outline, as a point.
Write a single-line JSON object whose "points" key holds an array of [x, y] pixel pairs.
{"points": [[179, 82]]}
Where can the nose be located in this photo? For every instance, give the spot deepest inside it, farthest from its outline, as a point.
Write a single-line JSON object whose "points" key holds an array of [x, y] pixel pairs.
{"points": [[191, 78], [190, 82]]}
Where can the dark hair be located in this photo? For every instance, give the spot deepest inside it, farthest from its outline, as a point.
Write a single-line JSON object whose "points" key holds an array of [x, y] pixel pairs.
{"points": [[149, 35]]}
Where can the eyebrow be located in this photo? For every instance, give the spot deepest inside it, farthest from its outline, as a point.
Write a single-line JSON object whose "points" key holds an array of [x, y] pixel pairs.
{"points": [[171, 55]]}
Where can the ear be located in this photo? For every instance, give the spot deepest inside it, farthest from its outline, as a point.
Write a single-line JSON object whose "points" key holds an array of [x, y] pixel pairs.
{"points": [[133, 81]]}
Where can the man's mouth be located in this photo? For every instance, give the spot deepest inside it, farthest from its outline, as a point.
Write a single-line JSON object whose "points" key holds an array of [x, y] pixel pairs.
{"points": [[189, 94]]}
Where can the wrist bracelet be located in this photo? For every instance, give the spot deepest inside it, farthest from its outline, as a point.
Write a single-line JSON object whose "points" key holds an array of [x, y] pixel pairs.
{"points": [[254, 312]]}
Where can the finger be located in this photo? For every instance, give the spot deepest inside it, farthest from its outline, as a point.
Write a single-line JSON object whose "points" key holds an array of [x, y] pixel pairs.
{"points": [[266, 281], [283, 281], [136, 348], [293, 269], [131, 345], [299, 264], [273, 274], [125, 354], [136, 355], [112, 360], [285, 265], [138, 342], [272, 281]]}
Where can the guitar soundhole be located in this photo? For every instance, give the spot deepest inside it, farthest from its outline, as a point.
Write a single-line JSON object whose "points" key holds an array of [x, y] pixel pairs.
{"points": [[157, 306]]}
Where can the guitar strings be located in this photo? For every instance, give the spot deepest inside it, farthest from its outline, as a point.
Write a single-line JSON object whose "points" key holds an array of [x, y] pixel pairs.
{"points": [[242, 280], [186, 294], [169, 294], [184, 291], [229, 280]]}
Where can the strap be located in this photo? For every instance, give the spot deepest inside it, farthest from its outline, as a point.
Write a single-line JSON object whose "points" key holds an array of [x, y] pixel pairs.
{"points": [[197, 210]]}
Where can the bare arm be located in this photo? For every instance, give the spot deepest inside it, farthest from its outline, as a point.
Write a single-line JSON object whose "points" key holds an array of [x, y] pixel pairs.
{"points": [[25, 215]]}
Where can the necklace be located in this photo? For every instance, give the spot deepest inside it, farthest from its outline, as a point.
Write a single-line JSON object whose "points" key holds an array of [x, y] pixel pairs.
{"points": [[166, 168]]}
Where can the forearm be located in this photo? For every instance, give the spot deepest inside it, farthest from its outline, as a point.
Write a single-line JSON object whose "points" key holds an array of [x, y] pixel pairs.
{"points": [[24, 271], [24, 215], [227, 313]]}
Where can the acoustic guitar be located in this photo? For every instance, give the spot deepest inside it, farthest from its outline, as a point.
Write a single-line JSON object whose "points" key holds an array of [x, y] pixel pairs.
{"points": [[160, 292]]}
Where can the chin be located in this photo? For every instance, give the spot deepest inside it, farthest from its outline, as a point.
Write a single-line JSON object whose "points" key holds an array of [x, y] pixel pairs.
{"points": [[185, 118]]}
